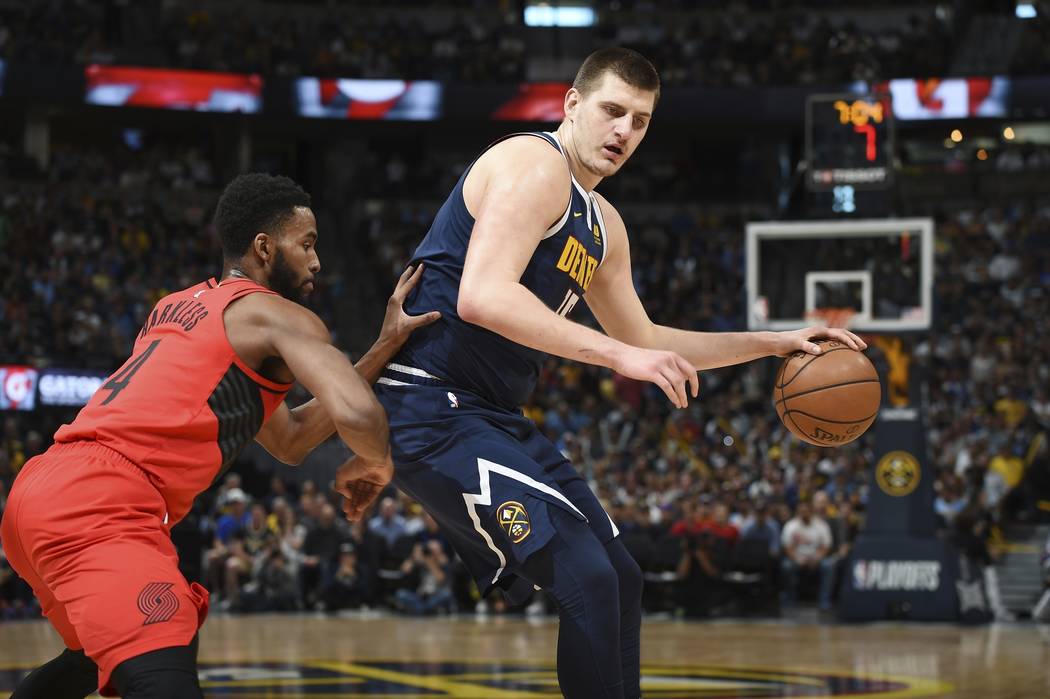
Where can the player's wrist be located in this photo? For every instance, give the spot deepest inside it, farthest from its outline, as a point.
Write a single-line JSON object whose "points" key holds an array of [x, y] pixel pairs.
{"points": [[386, 345], [610, 353], [773, 344]]}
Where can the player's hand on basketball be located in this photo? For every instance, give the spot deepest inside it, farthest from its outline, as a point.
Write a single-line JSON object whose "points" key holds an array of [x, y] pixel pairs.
{"points": [[398, 325], [795, 340], [668, 370], [360, 481]]}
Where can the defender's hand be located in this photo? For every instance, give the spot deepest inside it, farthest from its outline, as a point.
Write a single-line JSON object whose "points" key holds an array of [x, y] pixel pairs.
{"points": [[360, 481], [795, 340], [398, 325], [668, 370]]}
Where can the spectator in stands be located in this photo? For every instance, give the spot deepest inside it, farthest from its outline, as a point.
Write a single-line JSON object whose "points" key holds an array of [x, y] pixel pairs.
{"points": [[699, 578], [806, 541], [429, 567], [724, 532], [320, 555], [949, 502], [389, 525], [347, 587], [274, 587], [763, 528], [230, 526], [844, 525]]}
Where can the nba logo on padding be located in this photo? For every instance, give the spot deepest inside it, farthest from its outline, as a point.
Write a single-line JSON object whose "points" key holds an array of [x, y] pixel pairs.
{"points": [[158, 602], [514, 520]]}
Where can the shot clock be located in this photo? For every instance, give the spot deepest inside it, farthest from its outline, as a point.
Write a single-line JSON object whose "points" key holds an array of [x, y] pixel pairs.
{"points": [[849, 142]]}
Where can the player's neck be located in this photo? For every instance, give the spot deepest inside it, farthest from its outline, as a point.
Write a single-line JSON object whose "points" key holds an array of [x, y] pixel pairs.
{"points": [[584, 177], [233, 270]]}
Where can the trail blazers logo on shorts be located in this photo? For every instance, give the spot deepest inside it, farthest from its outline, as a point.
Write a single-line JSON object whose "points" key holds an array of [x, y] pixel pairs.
{"points": [[514, 520], [158, 602]]}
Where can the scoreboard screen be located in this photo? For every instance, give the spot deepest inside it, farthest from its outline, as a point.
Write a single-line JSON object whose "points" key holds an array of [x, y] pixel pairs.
{"points": [[849, 142]]}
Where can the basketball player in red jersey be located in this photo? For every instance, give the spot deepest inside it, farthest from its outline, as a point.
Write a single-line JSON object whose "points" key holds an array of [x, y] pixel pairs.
{"points": [[87, 523]]}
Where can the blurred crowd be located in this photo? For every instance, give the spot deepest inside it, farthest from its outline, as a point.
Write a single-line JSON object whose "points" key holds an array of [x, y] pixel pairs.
{"points": [[744, 43], [93, 242], [724, 510], [744, 48]]}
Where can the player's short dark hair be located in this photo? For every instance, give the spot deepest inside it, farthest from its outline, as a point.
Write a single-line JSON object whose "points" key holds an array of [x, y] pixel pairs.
{"points": [[628, 65], [255, 203]]}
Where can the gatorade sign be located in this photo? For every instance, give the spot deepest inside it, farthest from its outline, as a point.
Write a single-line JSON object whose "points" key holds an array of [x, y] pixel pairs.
{"points": [[68, 387]]}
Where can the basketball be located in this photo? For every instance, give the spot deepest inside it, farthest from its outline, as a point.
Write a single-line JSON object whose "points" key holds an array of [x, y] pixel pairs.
{"points": [[829, 398]]}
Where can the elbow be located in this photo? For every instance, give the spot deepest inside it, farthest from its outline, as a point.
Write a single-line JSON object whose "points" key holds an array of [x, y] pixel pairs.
{"points": [[366, 432], [291, 457], [474, 306], [469, 309], [284, 451]]}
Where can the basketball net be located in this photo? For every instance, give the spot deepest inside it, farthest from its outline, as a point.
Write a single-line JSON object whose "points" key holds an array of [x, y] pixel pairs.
{"points": [[831, 317]]}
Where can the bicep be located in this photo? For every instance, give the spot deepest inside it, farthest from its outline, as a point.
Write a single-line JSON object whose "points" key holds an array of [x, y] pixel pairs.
{"points": [[319, 366], [302, 342], [276, 430]]}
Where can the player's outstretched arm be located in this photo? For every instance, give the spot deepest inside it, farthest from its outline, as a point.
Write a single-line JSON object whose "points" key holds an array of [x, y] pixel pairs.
{"points": [[290, 434], [515, 191], [615, 303]]}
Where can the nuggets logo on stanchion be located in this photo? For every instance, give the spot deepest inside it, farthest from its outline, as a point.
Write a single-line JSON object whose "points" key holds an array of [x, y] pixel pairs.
{"points": [[514, 520], [897, 473], [158, 602]]}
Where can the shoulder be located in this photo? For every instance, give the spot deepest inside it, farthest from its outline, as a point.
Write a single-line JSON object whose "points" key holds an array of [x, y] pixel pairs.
{"points": [[271, 312], [525, 157], [524, 176]]}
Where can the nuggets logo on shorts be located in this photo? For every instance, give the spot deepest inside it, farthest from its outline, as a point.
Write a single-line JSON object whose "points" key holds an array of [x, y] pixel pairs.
{"points": [[158, 602], [514, 520]]}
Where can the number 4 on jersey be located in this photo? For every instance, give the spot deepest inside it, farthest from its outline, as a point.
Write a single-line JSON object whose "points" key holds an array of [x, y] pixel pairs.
{"points": [[119, 381]]}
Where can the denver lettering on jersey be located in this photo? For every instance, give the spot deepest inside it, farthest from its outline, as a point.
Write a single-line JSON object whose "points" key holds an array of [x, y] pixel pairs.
{"points": [[185, 313], [577, 263]]}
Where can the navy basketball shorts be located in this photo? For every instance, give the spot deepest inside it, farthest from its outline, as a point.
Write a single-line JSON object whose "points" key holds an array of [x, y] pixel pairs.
{"points": [[487, 475]]}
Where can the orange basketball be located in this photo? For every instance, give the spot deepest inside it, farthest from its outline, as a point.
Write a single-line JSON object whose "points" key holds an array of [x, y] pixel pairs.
{"points": [[829, 398]]}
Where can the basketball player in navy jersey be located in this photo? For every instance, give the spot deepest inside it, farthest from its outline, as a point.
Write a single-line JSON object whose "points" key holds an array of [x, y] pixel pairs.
{"points": [[521, 239]]}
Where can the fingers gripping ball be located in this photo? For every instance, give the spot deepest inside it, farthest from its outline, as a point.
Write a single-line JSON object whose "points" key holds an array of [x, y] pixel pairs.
{"points": [[830, 398]]}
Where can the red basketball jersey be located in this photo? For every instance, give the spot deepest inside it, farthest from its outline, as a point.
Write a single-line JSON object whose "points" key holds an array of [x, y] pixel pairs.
{"points": [[184, 404]]}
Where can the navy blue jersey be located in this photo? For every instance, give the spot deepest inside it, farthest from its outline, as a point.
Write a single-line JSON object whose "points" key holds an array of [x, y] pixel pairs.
{"points": [[467, 356]]}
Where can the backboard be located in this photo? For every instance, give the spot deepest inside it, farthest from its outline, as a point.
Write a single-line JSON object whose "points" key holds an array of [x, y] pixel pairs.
{"points": [[879, 269]]}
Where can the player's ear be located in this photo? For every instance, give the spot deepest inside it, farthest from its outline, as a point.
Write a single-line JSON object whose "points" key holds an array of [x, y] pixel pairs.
{"points": [[263, 245], [572, 102]]}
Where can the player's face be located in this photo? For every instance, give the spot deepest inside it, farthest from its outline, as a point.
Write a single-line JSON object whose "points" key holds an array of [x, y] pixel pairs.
{"points": [[295, 261], [609, 123]]}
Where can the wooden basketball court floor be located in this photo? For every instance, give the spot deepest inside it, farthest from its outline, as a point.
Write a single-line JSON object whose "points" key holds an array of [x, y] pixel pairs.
{"points": [[511, 658]]}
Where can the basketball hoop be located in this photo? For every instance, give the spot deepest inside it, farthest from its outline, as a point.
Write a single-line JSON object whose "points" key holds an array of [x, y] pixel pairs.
{"points": [[831, 317]]}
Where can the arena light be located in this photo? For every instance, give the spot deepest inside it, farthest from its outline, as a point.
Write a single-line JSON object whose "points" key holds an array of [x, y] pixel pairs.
{"points": [[1008, 133], [1025, 10], [545, 15], [957, 135]]}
